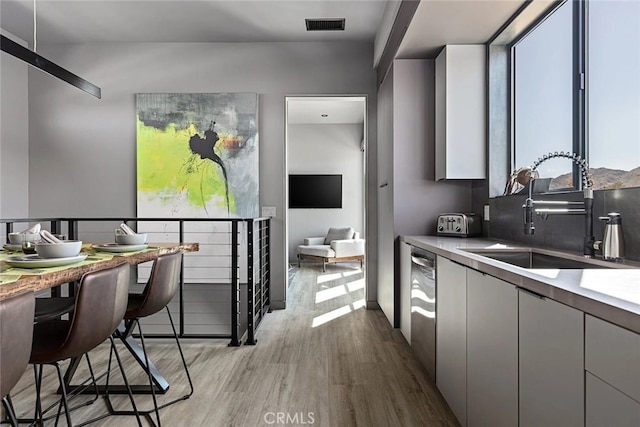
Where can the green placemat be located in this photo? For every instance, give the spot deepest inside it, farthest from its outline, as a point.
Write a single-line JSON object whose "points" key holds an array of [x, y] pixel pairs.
{"points": [[11, 274]]}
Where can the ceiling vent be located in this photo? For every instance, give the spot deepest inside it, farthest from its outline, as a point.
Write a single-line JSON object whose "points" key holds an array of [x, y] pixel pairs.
{"points": [[331, 24]]}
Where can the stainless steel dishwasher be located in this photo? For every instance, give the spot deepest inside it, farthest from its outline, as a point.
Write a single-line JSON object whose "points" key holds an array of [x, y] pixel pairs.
{"points": [[423, 308]]}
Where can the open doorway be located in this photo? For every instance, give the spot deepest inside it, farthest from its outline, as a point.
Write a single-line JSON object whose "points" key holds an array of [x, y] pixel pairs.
{"points": [[325, 150]]}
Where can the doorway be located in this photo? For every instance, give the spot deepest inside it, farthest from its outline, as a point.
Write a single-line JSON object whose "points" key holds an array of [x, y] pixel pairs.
{"points": [[325, 135]]}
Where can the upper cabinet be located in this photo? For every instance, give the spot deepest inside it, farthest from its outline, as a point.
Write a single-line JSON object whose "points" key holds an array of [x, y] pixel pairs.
{"points": [[461, 112]]}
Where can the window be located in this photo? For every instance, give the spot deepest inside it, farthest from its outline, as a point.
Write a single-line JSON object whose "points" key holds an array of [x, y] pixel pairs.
{"points": [[550, 82], [543, 102], [613, 84]]}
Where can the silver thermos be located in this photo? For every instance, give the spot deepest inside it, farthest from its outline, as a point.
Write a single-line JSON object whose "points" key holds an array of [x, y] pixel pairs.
{"points": [[613, 240]]}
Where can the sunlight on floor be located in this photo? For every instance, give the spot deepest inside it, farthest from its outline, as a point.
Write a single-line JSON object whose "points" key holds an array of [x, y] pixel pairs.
{"points": [[324, 278], [339, 312], [338, 291]]}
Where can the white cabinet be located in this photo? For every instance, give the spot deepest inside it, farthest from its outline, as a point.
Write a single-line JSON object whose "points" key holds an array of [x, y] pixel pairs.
{"points": [[612, 361], [461, 112], [492, 351], [451, 336], [551, 356], [607, 406]]}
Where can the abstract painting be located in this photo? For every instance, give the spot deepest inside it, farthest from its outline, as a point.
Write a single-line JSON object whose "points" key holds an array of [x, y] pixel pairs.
{"points": [[197, 155]]}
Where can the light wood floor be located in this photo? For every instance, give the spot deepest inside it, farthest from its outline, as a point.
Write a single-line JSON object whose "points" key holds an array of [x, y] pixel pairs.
{"points": [[324, 361]]}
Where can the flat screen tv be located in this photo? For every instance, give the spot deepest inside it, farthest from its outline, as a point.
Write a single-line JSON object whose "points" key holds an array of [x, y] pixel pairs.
{"points": [[315, 191]]}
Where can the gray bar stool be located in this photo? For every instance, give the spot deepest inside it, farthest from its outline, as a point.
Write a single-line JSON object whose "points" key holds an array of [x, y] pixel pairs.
{"points": [[16, 333], [100, 304], [159, 291]]}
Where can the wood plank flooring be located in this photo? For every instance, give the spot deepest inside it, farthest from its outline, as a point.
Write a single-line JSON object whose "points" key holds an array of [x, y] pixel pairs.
{"points": [[324, 361]]}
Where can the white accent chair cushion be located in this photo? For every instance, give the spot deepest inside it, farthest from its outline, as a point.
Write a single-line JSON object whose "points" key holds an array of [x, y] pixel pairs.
{"points": [[338, 234]]}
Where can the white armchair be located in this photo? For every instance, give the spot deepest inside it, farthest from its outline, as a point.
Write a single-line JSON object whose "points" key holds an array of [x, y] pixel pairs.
{"points": [[339, 245]]}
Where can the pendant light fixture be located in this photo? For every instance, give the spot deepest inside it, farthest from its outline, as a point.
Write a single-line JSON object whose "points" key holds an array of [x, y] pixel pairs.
{"points": [[43, 64]]}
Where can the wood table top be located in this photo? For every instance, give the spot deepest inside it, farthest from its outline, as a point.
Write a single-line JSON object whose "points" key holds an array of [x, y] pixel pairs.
{"points": [[45, 278]]}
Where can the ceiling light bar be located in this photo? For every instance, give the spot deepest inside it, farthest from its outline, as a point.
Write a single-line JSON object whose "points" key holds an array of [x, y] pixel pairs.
{"points": [[41, 63]]}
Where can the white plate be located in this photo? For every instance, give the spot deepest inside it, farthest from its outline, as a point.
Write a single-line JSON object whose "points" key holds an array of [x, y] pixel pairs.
{"points": [[34, 261], [114, 247], [12, 247]]}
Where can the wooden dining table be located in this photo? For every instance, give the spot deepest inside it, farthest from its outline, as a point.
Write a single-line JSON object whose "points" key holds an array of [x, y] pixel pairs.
{"points": [[15, 280]]}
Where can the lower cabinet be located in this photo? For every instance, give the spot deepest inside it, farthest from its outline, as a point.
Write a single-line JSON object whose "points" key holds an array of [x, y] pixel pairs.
{"points": [[508, 357], [492, 351], [607, 406], [612, 362], [551, 357], [451, 336]]}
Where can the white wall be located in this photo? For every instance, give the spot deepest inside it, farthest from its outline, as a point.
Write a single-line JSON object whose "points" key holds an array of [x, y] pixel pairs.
{"points": [[14, 136], [326, 149], [83, 149]]}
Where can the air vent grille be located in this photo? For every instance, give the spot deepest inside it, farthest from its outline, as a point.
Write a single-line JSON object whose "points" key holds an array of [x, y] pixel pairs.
{"points": [[332, 24]]}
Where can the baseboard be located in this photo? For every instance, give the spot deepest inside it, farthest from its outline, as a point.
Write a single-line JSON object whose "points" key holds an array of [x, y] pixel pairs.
{"points": [[373, 305], [278, 305]]}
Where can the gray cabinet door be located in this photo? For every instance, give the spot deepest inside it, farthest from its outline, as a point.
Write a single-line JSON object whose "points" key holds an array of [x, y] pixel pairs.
{"points": [[451, 336], [551, 352], [492, 351], [607, 406]]}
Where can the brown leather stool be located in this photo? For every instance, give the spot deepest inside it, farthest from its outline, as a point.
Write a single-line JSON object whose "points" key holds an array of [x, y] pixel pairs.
{"points": [[52, 308], [100, 304], [159, 291], [16, 333]]}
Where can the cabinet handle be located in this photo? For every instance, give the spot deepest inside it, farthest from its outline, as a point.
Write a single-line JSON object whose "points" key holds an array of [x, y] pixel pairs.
{"points": [[384, 185], [533, 294]]}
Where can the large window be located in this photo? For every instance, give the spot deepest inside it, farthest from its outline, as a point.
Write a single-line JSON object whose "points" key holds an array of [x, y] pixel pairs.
{"points": [[613, 84], [590, 107]]}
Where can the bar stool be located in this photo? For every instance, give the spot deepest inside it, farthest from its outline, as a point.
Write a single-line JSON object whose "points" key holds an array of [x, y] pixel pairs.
{"points": [[100, 304], [52, 308], [159, 291], [16, 334]]}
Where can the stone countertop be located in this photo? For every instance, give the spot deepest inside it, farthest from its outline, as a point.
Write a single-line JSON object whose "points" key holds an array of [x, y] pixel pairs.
{"points": [[612, 294]]}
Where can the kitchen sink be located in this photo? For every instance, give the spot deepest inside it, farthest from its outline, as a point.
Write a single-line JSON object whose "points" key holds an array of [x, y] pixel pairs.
{"points": [[530, 258]]}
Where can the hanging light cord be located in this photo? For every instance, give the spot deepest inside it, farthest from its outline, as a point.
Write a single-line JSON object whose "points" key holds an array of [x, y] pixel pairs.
{"points": [[35, 28]]}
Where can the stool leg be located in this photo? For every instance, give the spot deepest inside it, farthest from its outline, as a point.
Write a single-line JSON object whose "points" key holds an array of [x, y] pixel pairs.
{"points": [[64, 395], [38, 380], [114, 350], [8, 406], [146, 363], [184, 362]]}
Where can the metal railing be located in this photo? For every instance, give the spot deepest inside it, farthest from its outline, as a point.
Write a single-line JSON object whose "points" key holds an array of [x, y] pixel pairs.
{"points": [[246, 261]]}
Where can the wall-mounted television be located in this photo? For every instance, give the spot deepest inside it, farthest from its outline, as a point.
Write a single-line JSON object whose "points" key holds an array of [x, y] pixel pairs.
{"points": [[315, 191]]}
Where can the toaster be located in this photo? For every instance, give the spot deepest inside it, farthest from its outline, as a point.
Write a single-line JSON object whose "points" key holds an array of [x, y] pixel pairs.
{"points": [[459, 224]]}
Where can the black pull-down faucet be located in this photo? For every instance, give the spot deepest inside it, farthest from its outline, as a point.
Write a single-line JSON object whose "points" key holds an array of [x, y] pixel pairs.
{"points": [[569, 208]]}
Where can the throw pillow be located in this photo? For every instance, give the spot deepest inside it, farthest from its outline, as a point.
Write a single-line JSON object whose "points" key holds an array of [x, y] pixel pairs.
{"points": [[338, 234]]}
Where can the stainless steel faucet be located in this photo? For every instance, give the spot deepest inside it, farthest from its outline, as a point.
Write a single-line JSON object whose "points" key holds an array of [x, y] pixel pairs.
{"points": [[568, 208]]}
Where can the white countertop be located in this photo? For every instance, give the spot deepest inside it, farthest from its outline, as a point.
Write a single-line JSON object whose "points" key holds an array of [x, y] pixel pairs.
{"points": [[611, 294]]}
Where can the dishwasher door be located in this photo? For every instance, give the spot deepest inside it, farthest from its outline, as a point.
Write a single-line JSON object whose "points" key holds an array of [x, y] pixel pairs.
{"points": [[423, 308]]}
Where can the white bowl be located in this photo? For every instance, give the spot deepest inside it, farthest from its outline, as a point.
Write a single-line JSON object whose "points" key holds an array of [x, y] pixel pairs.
{"points": [[20, 238], [131, 239], [68, 248]]}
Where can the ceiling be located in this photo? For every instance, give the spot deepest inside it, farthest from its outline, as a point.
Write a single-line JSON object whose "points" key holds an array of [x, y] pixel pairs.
{"points": [[440, 22], [188, 21], [435, 23]]}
